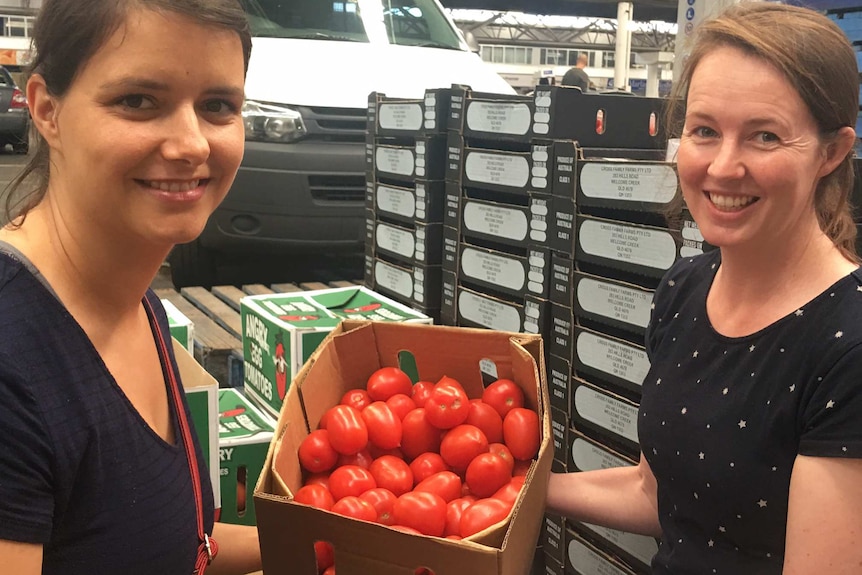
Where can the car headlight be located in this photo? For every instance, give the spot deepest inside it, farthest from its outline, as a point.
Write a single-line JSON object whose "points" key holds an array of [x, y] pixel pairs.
{"points": [[272, 123]]}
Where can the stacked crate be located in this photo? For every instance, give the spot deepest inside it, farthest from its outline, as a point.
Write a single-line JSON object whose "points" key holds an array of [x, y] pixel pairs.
{"points": [[616, 227], [496, 258], [405, 165]]}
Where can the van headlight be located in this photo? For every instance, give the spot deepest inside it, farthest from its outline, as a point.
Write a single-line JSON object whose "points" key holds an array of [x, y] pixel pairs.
{"points": [[265, 122]]}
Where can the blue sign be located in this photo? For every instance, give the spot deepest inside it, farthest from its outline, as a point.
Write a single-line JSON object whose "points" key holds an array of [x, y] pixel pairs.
{"points": [[689, 14]]}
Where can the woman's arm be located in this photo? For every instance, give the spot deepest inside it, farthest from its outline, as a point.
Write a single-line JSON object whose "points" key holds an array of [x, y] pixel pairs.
{"points": [[824, 517], [23, 558], [238, 550], [621, 498]]}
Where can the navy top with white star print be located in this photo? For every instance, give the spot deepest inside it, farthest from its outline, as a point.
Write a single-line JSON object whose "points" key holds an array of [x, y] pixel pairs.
{"points": [[722, 419]]}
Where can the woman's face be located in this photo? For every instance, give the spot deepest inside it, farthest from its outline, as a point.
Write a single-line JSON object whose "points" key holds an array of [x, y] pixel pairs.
{"points": [[147, 140], [750, 155]]}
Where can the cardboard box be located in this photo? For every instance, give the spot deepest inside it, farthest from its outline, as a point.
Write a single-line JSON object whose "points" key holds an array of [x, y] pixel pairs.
{"points": [[636, 551], [560, 383], [423, 158], [201, 391], [614, 303], [420, 244], [182, 328], [514, 172], [490, 116], [281, 331], [554, 537], [510, 224], [560, 431], [514, 272], [583, 558], [408, 117], [613, 418], [618, 364], [244, 437], [587, 454], [420, 203], [417, 285], [527, 315], [349, 355]]}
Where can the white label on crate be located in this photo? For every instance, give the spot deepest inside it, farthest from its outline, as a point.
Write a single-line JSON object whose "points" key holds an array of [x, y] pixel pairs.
{"points": [[493, 269], [400, 116], [607, 412], [394, 160], [489, 313], [640, 547], [393, 278], [614, 301], [394, 240], [488, 367], [589, 457], [690, 231], [498, 169], [612, 357], [654, 183], [641, 246], [395, 201], [495, 220], [689, 251], [588, 562], [498, 117]]}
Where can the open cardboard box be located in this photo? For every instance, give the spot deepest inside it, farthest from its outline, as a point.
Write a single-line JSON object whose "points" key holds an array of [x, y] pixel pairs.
{"points": [[353, 351]]}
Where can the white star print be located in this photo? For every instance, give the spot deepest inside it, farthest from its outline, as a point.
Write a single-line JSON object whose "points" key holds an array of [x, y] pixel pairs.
{"points": [[741, 423], [722, 529], [774, 469], [830, 404], [844, 449], [700, 455], [652, 305], [724, 391], [671, 283], [798, 313], [695, 496], [712, 266], [752, 374], [694, 354], [658, 381], [732, 464], [684, 410], [710, 542], [859, 288], [781, 350], [761, 503], [839, 334], [792, 388], [750, 349], [676, 315], [832, 294], [654, 452]]}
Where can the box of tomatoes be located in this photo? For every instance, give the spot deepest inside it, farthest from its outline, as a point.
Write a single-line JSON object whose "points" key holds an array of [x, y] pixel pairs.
{"points": [[405, 449]]}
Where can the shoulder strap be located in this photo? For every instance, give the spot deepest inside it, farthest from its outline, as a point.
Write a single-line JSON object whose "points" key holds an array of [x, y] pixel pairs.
{"points": [[207, 549]]}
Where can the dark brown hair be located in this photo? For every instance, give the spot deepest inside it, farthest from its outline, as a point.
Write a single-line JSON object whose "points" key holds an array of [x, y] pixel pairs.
{"points": [[66, 35], [819, 62]]}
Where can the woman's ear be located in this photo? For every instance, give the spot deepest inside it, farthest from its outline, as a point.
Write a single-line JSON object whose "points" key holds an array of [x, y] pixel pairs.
{"points": [[43, 109], [837, 149]]}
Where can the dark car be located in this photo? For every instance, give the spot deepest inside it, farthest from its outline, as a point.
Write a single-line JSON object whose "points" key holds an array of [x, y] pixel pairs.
{"points": [[14, 115]]}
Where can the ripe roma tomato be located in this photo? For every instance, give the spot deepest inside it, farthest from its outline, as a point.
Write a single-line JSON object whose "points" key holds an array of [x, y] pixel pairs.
{"points": [[509, 492], [384, 427], [503, 395], [350, 480], [425, 512], [487, 419], [316, 453], [318, 479], [357, 398], [521, 433], [426, 465], [446, 380], [314, 495], [329, 571], [401, 405], [447, 406], [503, 451], [386, 382], [362, 458], [348, 433], [482, 514], [487, 473], [418, 435], [392, 473], [445, 484], [352, 506], [325, 555], [461, 444], [521, 468], [383, 502], [421, 391], [454, 511]]}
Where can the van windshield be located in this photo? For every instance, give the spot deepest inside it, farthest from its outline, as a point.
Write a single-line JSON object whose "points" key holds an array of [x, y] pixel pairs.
{"points": [[403, 22]]}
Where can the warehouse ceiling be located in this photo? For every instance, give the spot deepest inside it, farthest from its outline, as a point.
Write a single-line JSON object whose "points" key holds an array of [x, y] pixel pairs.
{"points": [[644, 10]]}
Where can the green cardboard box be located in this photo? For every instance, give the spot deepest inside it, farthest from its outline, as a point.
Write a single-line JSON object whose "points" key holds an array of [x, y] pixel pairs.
{"points": [[182, 328], [280, 332], [244, 437]]}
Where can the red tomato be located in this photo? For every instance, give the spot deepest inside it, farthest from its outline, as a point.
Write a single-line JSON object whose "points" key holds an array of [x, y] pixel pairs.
{"points": [[509, 492], [421, 391], [446, 380], [325, 555], [392, 473], [314, 495], [386, 382], [348, 433], [503, 395], [521, 433], [318, 479], [482, 514], [401, 405], [356, 398], [383, 501], [384, 427], [316, 453], [353, 506], [423, 511], [406, 529], [487, 419], [461, 445], [521, 468], [503, 451], [447, 406], [329, 571], [487, 473], [363, 459], [426, 465], [454, 510], [445, 484], [418, 435], [377, 452], [350, 480]]}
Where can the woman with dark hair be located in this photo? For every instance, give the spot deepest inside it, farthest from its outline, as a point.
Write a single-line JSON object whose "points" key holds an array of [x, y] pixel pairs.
{"points": [[750, 423], [137, 109]]}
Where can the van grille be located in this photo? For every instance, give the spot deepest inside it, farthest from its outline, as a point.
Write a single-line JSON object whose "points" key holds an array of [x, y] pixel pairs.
{"points": [[335, 188], [335, 124]]}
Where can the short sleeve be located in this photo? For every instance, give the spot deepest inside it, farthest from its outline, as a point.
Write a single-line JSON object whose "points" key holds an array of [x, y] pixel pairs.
{"points": [[26, 492], [831, 419]]}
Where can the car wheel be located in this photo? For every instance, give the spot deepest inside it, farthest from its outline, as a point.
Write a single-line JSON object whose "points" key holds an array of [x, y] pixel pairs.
{"points": [[193, 265]]}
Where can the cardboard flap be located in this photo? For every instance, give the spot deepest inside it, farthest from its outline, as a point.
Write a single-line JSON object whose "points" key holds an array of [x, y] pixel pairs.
{"points": [[193, 375]]}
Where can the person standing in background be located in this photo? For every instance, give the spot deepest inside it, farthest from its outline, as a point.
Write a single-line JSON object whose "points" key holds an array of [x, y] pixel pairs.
{"points": [[576, 76]]}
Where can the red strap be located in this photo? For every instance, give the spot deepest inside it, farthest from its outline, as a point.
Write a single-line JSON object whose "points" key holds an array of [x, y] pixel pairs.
{"points": [[207, 549]]}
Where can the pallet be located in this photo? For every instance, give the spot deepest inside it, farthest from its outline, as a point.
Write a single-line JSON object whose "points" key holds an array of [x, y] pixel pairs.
{"points": [[218, 325]]}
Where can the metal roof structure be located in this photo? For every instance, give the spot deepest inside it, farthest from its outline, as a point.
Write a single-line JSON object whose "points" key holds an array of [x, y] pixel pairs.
{"points": [[643, 11]]}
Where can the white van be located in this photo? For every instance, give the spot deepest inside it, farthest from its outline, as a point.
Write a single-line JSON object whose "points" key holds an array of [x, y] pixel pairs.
{"points": [[301, 185]]}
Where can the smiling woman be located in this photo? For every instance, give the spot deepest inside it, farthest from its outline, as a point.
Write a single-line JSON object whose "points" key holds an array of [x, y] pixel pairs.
{"points": [[137, 109]]}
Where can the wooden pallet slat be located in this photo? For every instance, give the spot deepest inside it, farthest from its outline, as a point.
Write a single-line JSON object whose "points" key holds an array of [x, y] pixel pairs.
{"points": [[344, 283], [285, 288], [310, 286], [256, 289], [229, 295], [215, 309]]}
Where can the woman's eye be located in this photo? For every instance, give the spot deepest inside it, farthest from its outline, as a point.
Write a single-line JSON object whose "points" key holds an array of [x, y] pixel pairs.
{"points": [[219, 107], [135, 102], [703, 132], [767, 137]]}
